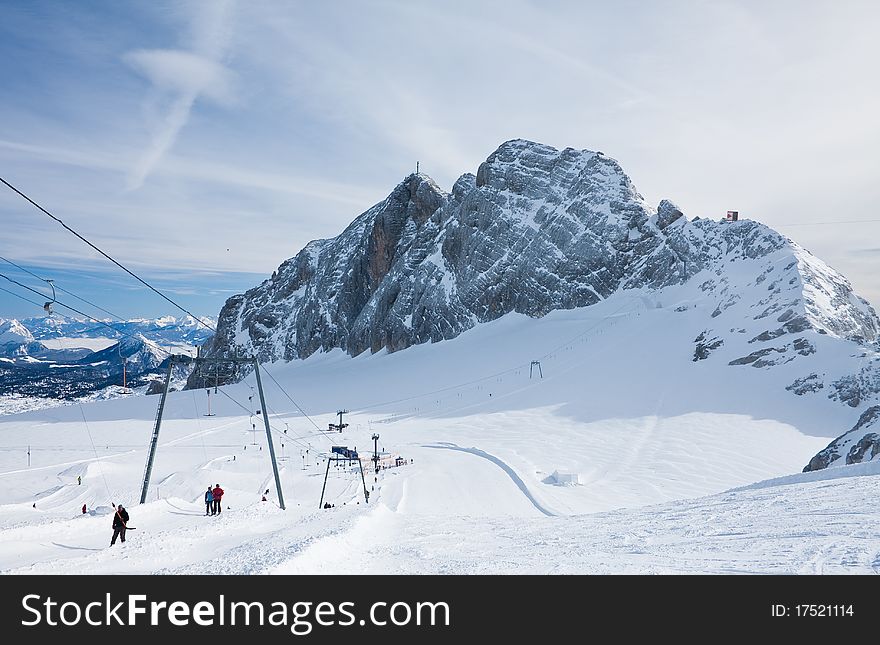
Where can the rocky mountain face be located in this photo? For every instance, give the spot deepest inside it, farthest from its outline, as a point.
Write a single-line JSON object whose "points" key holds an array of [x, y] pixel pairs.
{"points": [[860, 444], [538, 229]]}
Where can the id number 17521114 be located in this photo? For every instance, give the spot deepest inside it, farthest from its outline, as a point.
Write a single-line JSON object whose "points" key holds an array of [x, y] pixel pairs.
{"points": [[817, 611]]}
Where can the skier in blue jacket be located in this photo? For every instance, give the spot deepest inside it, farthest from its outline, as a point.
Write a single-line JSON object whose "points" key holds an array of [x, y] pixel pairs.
{"points": [[209, 500]]}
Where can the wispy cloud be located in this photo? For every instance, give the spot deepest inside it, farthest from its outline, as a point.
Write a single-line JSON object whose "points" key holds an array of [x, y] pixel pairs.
{"points": [[253, 128], [210, 172], [80, 158], [183, 77]]}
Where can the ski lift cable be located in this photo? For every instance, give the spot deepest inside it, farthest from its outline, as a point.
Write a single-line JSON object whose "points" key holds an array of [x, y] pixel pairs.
{"points": [[12, 293], [61, 289], [563, 368], [320, 432], [852, 221], [507, 371], [291, 399], [92, 441], [81, 313], [117, 317], [18, 266], [556, 215], [199, 425], [116, 262], [48, 281], [48, 305], [94, 449], [296, 439], [589, 329], [32, 290], [497, 374]]}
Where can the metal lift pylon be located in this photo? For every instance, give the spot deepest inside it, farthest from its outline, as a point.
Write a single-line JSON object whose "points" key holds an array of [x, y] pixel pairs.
{"points": [[341, 453], [180, 359]]}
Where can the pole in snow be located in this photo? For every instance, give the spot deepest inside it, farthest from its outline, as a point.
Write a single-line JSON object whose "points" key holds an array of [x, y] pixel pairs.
{"points": [[269, 435], [364, 482], [323, 488], [209, 414], [182, 359], [376, 452], [154, 440]]}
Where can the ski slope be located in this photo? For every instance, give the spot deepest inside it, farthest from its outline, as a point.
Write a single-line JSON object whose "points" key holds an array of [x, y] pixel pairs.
{"points": [[667, 451]]}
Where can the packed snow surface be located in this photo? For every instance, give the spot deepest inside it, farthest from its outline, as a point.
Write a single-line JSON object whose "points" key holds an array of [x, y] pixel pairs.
{"points": [[667, 452]]}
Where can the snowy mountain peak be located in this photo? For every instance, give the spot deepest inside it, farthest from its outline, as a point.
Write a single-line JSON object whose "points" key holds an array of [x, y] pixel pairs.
{"points": [[12, 331], [538, 229], [585, 183]]}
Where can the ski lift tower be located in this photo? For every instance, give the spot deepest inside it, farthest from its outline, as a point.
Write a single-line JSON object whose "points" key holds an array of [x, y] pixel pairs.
{"points": [[341, 453], [376, 452], [338, 426], [200, 364]]}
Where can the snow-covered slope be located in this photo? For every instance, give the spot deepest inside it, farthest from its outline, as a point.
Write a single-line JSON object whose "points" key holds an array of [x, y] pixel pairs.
{"points": [[655, 444], [665, 364], [537, 230]]}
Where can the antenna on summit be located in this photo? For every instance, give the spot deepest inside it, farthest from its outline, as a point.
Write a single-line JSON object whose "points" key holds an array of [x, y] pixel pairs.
{"points": [[417, 167]]}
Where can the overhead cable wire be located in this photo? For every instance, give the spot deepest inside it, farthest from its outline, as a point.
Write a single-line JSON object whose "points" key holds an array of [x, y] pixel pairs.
{"points": [[106, 255], [852, 221], [17, 295], [277, 431], [303, 412], [70, 293], [81, 313]]}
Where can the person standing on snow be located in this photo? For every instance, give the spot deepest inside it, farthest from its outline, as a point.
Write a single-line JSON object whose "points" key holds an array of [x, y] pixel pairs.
{"points": [[217, 494], [209, 500], [120, 522]]}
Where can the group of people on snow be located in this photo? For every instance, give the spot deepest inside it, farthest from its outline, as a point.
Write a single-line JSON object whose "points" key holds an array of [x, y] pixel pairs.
{"points": [[213, 496], [212, 500]]}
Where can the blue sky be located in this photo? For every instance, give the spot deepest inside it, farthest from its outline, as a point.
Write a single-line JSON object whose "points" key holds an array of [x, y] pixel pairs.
{"points": [[204, 143]]}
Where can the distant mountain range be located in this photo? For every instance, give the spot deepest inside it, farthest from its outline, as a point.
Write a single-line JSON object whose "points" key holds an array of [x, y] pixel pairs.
{"points": [[57, 357], [167, 329]]}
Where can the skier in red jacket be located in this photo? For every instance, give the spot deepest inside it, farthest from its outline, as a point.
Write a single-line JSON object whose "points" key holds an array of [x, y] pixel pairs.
{"points": [[218, 495]]}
